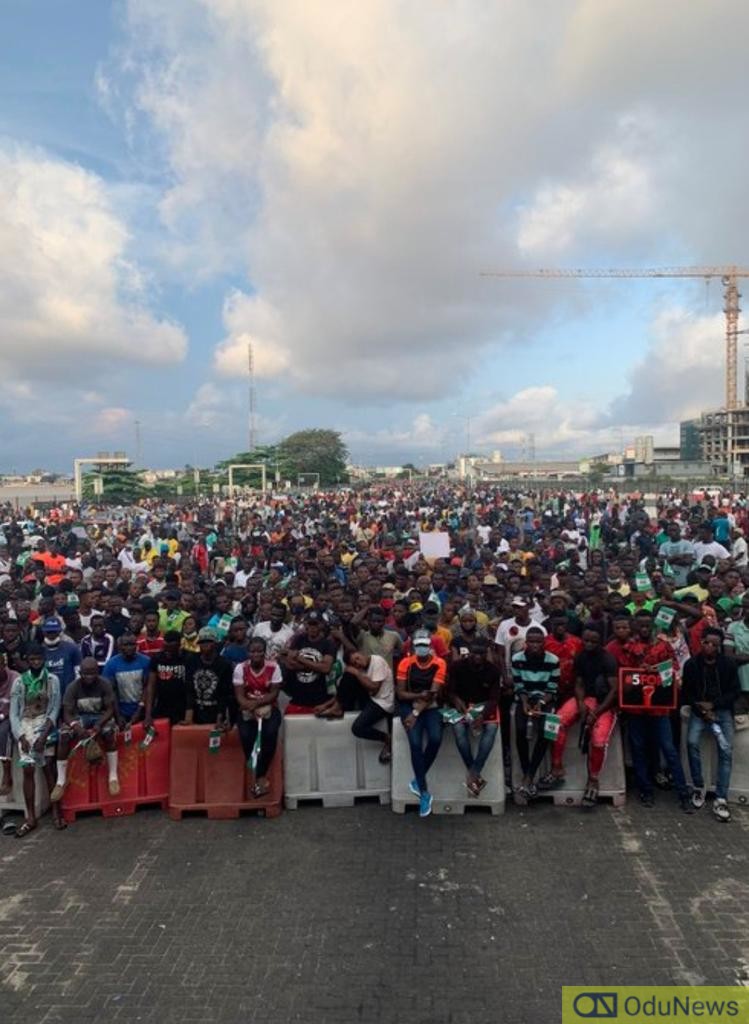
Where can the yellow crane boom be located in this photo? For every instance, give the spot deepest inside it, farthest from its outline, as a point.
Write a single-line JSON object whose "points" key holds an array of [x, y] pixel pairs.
{"points": [[729, 276]]}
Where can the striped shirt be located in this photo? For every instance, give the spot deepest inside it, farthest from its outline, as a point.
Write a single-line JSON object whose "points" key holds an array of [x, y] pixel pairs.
{"points": [[535, 676]]}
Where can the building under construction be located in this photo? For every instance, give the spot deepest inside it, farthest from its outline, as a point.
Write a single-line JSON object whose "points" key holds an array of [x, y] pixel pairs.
{"points": [[724, 440]]}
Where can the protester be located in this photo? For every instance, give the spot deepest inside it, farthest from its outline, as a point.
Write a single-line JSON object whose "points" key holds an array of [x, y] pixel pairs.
{"points": [[420, 677], [257, 684]]}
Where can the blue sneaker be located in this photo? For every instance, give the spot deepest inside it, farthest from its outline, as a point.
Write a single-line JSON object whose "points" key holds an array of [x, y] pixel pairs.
{"points": [[425, 805], [414, 787]]}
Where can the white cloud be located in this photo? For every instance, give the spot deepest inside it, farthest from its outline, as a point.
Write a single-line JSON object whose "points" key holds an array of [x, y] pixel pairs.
{"points": [[248, 318], [69, 290], [114, 421]]}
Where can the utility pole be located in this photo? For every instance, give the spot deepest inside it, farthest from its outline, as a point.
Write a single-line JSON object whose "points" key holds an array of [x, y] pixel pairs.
{"points": [[138, 452], [251, 397]]}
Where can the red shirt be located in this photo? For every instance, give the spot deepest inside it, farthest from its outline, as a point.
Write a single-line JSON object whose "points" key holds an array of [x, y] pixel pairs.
{"points": [[566, 650]]}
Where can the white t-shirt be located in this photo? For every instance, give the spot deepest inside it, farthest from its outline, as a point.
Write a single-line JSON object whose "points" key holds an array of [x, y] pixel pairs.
{"points": [[511, 636], [740, 552], [379, 672], [712, 548], [275, 641]]}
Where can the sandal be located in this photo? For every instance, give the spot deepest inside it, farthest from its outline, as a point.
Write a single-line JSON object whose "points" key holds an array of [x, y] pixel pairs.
{"points": [[472, 785], [261, 789], [24, 829], [550, 781], [590, 798], [386, 756], [60, 824], [520, 796], [482, 782]]}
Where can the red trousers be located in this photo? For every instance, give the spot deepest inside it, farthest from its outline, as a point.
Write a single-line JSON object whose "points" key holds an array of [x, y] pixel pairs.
{"points": [[600, 735]]}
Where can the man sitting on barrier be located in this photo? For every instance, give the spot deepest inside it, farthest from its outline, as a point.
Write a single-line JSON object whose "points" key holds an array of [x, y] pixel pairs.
{"points": [[208, 684], [711, 686], [88, 712], [594, 703], [535, 676], [257, 683], [373, 674], [34, 710], [306, 663], [473, 692], [128, 674], [420, 677], [166, 695]]}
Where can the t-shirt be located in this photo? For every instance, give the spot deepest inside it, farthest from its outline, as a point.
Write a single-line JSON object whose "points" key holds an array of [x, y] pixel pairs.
{"points": [[170, 694], [388, 645], [511, 636], [595, 668], [257, 683], [129, 677], [420, 677], [379, 671], [63, 659], [149, 645], [737, 641], [276, 640], [475, 683], [535, 676], [702, 549], [209, 689], [566, 651], [307, 687], [92, 699]]}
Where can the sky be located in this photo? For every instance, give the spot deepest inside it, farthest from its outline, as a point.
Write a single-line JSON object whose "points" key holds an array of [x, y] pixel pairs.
{"points": [[328, 181]]}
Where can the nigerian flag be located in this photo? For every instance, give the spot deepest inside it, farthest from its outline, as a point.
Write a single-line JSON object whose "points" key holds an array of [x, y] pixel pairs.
{"points": [[665, 670]]}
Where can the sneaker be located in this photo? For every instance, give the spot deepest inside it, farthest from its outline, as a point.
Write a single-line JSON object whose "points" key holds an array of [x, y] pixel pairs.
{"points": [[662, 780], [425, 805], [114, 787], [57, 793], [532, 791], [721, 809], [686, 804], [698, 798], [414, 787], [647, 800]]}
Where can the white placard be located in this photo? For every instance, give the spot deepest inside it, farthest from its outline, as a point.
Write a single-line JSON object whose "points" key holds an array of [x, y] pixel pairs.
{"points": [[435, 544]]}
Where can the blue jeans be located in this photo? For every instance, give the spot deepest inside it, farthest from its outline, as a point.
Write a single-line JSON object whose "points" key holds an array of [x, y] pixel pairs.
{"points": [[428, 725], [488, 735], [697, 726], [655, 728]]}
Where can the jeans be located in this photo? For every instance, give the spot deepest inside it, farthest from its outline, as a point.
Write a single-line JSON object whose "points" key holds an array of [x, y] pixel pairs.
{"points": [[363, 725], [645, 729], [462, 732], [427, 726], [697, 726], [529, 763], [268, 739]]}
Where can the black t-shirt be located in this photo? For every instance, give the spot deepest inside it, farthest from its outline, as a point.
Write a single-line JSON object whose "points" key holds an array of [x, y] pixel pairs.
{"points": [[170, 692], [210, 691], [595, 668], [15, 656], [305, 687], [474, 684]]}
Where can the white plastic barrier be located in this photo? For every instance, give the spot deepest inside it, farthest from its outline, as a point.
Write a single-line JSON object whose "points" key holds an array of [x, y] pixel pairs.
{"points": [[612, 784], [14, 801], [738, 790], [447, 776], [323, 760]]}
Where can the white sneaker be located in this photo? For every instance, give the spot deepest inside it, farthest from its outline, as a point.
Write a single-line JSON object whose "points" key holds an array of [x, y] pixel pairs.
{"points": [[698, 798], [721, 809]]}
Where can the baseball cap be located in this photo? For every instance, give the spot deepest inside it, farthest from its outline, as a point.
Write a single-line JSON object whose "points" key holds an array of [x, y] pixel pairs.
{"points": [[520, 602], [490, 580], [704, 565], [51, 626], [208, 633], [422, 641]]}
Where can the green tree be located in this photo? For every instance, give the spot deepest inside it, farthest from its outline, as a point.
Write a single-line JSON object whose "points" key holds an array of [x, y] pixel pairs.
{"points": [[120, 486], [314, 451]]}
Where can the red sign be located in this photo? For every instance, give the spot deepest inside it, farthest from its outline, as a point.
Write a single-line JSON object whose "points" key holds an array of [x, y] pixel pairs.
{"points": [[641, 688]]}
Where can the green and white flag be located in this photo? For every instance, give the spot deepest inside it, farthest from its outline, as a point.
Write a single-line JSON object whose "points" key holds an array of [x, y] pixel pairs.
{"points": [[665, 670], [256, 746], [552, 725], [665, 618], [642, 582], [214, 741], [451, 715]]}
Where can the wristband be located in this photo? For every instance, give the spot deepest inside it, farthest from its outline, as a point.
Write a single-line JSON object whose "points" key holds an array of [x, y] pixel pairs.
{"points": [[416, 713]]}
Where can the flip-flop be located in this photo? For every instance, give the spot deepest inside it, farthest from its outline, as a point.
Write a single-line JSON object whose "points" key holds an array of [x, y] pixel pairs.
{"points": [[60, 824], [24, 829], [590, 798], [385, 756], [261, 791]]}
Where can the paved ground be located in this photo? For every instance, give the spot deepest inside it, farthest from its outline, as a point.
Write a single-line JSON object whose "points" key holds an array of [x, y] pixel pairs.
{"points": [[363, 915]]}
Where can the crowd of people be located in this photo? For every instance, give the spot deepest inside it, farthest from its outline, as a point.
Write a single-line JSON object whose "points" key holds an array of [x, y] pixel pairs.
{"points": [[236, 614]]}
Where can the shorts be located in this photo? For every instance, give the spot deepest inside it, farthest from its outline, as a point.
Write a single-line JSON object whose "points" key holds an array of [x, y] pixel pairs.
{"points": [[31, 729], [89, 722]]}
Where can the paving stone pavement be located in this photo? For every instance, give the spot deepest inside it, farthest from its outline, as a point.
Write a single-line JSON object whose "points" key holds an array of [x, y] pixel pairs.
{"points": [[361, 915]]}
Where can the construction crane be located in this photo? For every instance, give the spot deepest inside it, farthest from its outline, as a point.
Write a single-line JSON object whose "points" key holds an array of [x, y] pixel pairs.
{"points": [[728, 275]]}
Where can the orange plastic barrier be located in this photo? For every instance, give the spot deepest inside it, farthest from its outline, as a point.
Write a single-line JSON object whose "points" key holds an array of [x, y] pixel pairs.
{"points": [[143, 777], [217, 784]]}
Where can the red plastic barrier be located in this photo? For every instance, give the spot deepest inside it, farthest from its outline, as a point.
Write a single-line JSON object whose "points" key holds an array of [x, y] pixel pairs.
{"points": [[143, 777], [217, 783]]}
